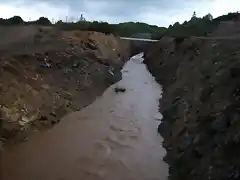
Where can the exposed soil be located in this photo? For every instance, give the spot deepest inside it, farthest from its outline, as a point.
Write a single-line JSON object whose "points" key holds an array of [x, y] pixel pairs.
{"points": [[46, 73], [114, 138], [200, 104]]}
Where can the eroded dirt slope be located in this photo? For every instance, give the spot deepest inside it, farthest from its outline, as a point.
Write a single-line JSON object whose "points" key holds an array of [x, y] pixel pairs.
{"points": [[46, 73], [200, 104]]}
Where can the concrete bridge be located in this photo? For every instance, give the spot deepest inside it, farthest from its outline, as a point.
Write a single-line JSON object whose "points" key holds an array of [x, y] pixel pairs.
{"points": [[138, 44], [139, 39]]}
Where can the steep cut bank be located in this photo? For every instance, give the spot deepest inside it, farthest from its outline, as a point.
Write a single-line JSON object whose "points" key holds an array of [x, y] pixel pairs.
{"points": [[200, 104], [47, 73]]}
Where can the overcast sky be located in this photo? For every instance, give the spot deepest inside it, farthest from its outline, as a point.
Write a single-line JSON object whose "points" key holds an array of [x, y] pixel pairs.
{"points": [[158, 12]]}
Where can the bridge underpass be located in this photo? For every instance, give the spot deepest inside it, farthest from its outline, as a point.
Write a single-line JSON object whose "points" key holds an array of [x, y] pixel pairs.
{"points": [[139, 45]]}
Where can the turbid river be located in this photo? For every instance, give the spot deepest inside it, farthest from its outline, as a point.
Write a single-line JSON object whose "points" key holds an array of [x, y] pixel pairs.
{"points": [[115, 138]]}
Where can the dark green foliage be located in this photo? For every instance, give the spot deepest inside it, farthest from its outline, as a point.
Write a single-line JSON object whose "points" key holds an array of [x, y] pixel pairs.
{"points": [[126, 29], [103, 27], [43, 21], [228, 17], [59, 22], [129, 29], [197, 26], [194, 27], [15, 20]]}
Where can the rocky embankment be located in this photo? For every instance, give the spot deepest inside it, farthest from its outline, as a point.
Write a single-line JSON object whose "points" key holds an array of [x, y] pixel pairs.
{"points": [[200, 104], [47, 73]]}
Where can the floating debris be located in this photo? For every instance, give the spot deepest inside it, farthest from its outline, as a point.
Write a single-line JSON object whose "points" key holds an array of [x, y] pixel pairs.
{"points": [[119, 89]]}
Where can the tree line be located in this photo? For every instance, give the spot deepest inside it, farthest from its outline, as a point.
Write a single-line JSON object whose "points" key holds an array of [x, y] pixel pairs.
{"points": [[126, 29], [196, 26], [122, 29], [17, 20]]}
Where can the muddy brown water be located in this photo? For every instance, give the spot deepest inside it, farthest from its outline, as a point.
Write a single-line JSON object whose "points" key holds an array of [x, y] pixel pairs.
{"points": [[115, 138]]}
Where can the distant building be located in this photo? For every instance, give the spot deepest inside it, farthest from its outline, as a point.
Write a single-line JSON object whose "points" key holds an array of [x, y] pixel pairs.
{"points": [[82, 18]]}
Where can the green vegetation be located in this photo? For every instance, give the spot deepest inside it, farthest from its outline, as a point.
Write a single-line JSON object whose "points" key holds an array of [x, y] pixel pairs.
{"points": [[130, 28], [15, 20], [126, 29], [103, 27], [194, 27]]}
